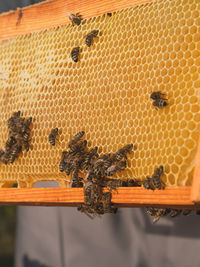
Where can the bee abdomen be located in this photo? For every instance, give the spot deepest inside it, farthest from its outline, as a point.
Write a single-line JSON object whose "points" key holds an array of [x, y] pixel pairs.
{"points": [[52, 139], [62, 166], [160, 103]]}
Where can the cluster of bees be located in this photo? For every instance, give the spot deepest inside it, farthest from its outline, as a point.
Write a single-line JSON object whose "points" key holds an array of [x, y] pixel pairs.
{"points": [[19, 132], [159, 213], [90, 170], [89, 38]]}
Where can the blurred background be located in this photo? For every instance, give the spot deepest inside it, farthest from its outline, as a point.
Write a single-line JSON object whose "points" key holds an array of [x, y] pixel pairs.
{"points": [[7, 235], [8, 213]]}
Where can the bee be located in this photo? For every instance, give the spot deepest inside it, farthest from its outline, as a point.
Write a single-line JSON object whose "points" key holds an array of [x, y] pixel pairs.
{"points": [[26, 125], [75, 53], [186, 212], [160, 103], [96, 192], [156, 179], [133, 183], [75, 175], [157, 96], [52, 136], [17, 114], [90, 36], [14, 152], [110, 171], [87, 210], [62, 162], [113, 184], [157, 213], [76, 184], [75, 18], [78, 147], [160, 213], [4, 156], [147, 183], [89, 156], [78, 136], [1, 153], [159, 171], [175, 213], [26, 145], [10, 142], [107, 205], [89, 175], [26, 137], [121, 153], [157, 182]]}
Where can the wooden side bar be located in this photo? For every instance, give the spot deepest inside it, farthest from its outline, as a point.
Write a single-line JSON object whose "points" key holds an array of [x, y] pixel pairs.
{"points": [[177, 197], [195, 192], [54, 13]]}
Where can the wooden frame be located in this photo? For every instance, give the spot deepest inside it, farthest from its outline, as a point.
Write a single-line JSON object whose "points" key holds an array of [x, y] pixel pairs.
{"points": [[50, 14]]}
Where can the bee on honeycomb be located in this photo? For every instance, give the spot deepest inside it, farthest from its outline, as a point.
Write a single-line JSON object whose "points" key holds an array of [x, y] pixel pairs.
{"points": [[75, 53], [159, 100], [90, 37], [52, 136], [75, 18]]}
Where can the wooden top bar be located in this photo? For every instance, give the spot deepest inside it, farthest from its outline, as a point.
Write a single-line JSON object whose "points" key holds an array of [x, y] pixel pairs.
{"points": [[177, 197], [53, 13]]}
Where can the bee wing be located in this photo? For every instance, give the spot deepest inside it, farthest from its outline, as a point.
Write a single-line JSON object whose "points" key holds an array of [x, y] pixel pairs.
{"points": [[156, 219], [70, 15]]}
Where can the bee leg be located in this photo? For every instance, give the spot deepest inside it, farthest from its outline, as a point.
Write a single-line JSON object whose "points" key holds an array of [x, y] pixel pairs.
{"points": [[163, 184], [58, 141]]}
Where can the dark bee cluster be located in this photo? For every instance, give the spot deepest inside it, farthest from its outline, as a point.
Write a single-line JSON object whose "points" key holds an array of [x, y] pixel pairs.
{"points": [[19, 132], [95, 171], [159, 213]]}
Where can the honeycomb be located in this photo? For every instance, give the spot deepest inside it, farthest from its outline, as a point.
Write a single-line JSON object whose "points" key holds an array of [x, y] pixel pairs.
{"points": [[150, 47]]}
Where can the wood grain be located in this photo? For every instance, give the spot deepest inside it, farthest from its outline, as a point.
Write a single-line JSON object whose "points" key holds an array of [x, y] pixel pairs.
{"points": [[54, 13], [195, 192], [177, 197]]}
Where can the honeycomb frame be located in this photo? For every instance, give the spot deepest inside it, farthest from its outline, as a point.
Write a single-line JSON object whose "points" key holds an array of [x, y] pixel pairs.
{"points": [[149, 105]]}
